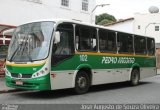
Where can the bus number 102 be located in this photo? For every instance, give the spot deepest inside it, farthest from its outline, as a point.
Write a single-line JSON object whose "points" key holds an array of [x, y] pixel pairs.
{"points": [[83, 58]]}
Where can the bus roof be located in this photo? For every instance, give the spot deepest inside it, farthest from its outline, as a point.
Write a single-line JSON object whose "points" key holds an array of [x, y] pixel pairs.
{"points": [[58, 21]]}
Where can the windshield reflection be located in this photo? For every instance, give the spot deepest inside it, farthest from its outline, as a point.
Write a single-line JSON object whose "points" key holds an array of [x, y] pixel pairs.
{"points": [[31, 42]]}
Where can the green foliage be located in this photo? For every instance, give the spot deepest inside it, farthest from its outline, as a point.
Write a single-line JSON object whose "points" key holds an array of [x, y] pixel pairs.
{"points": [[105, 19]]}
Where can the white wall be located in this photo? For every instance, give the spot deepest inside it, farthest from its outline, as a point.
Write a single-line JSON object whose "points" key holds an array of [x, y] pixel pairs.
{"points": [[147, 23], [16, 12], [73, 12], [126, 26]]}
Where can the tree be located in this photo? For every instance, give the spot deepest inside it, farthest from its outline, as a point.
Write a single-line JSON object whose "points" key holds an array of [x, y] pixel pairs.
{"points": [[105, 19]]}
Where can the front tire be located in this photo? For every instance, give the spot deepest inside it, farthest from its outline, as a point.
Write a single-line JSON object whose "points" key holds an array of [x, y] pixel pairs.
{"points": [[135, 77], [82, 82]]}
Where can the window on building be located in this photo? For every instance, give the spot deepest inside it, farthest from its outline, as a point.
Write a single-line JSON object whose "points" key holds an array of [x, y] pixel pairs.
{"points": [[156, 28], [107, 41], [140, 45], [125, 43], [139, 27], [65, 3], [86, 39], [85, 5]]}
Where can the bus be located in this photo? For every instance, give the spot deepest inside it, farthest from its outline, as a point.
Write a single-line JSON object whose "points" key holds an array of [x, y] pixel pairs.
{"points": [[60, 54]]}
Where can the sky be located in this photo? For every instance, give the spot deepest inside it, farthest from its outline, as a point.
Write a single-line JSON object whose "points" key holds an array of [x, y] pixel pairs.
{"points": [[123, 9]]}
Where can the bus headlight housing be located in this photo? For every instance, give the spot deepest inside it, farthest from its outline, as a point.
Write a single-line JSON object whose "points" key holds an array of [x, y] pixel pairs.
{"points": [[40, 73]]}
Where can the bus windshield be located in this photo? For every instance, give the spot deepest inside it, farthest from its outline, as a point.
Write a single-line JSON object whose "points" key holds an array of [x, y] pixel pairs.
{"points": [[30, 42]]}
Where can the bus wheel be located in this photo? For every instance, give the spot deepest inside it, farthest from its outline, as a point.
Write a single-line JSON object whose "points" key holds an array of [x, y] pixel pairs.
{"points": [[82, 82], [135, 77]]}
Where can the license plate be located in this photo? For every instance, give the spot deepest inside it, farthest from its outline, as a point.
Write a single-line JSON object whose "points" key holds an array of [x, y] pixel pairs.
{"points": [[19, 83]]}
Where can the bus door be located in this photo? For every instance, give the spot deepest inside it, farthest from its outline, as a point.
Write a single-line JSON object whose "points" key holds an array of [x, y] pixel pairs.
{"points": [[62, 53]]}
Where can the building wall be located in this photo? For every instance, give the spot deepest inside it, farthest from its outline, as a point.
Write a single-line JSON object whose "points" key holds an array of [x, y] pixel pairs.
{"points": [[126, 26], [74, 11], [144, 24], [16, 12]]}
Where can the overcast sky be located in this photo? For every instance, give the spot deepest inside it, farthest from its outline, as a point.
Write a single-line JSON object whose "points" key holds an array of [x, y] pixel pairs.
{"points": [[123, 9]]}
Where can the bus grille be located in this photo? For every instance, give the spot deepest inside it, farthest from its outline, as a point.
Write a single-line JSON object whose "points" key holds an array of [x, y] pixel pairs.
{"points": [[15, 75]]}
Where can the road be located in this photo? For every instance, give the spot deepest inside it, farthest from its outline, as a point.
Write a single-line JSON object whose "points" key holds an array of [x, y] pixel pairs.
{"points": [[118, 93]]}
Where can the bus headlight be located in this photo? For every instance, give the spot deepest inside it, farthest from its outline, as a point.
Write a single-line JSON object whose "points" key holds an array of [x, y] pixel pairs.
{"points": [[7, 73], [40, 73]]}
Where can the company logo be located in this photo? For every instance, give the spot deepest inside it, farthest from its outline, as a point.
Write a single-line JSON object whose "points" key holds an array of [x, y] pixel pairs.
{"points": [[19, 75]]}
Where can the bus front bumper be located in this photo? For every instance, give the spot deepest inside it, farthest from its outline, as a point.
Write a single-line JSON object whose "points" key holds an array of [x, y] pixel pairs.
{"points": [[41, 83]]}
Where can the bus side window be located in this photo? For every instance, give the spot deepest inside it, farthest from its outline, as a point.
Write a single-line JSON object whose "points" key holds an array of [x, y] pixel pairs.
{"points": [[125, 43], [107, 41], [86, 38], [150, 46], [140, 45]]}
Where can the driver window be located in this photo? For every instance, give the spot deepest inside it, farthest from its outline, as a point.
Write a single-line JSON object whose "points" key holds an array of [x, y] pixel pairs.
{"points": [[65, 46]]}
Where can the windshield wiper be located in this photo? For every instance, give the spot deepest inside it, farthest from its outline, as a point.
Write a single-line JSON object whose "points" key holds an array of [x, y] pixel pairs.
{"points": [[11, 59]]}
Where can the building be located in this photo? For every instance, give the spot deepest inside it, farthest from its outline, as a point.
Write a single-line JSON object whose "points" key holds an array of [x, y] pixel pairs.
{"points": [[16, 12], [122, 25]]}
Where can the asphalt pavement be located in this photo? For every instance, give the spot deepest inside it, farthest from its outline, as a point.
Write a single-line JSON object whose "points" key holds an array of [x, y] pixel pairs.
{"points": [[3, 87], [117, 93]]}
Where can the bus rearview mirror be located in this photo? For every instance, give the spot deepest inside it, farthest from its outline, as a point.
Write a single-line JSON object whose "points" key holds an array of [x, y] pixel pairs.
{"points": [[57, 37]]}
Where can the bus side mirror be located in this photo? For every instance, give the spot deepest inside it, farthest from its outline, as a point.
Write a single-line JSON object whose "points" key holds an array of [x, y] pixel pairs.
{"points": [[57, 37]]}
